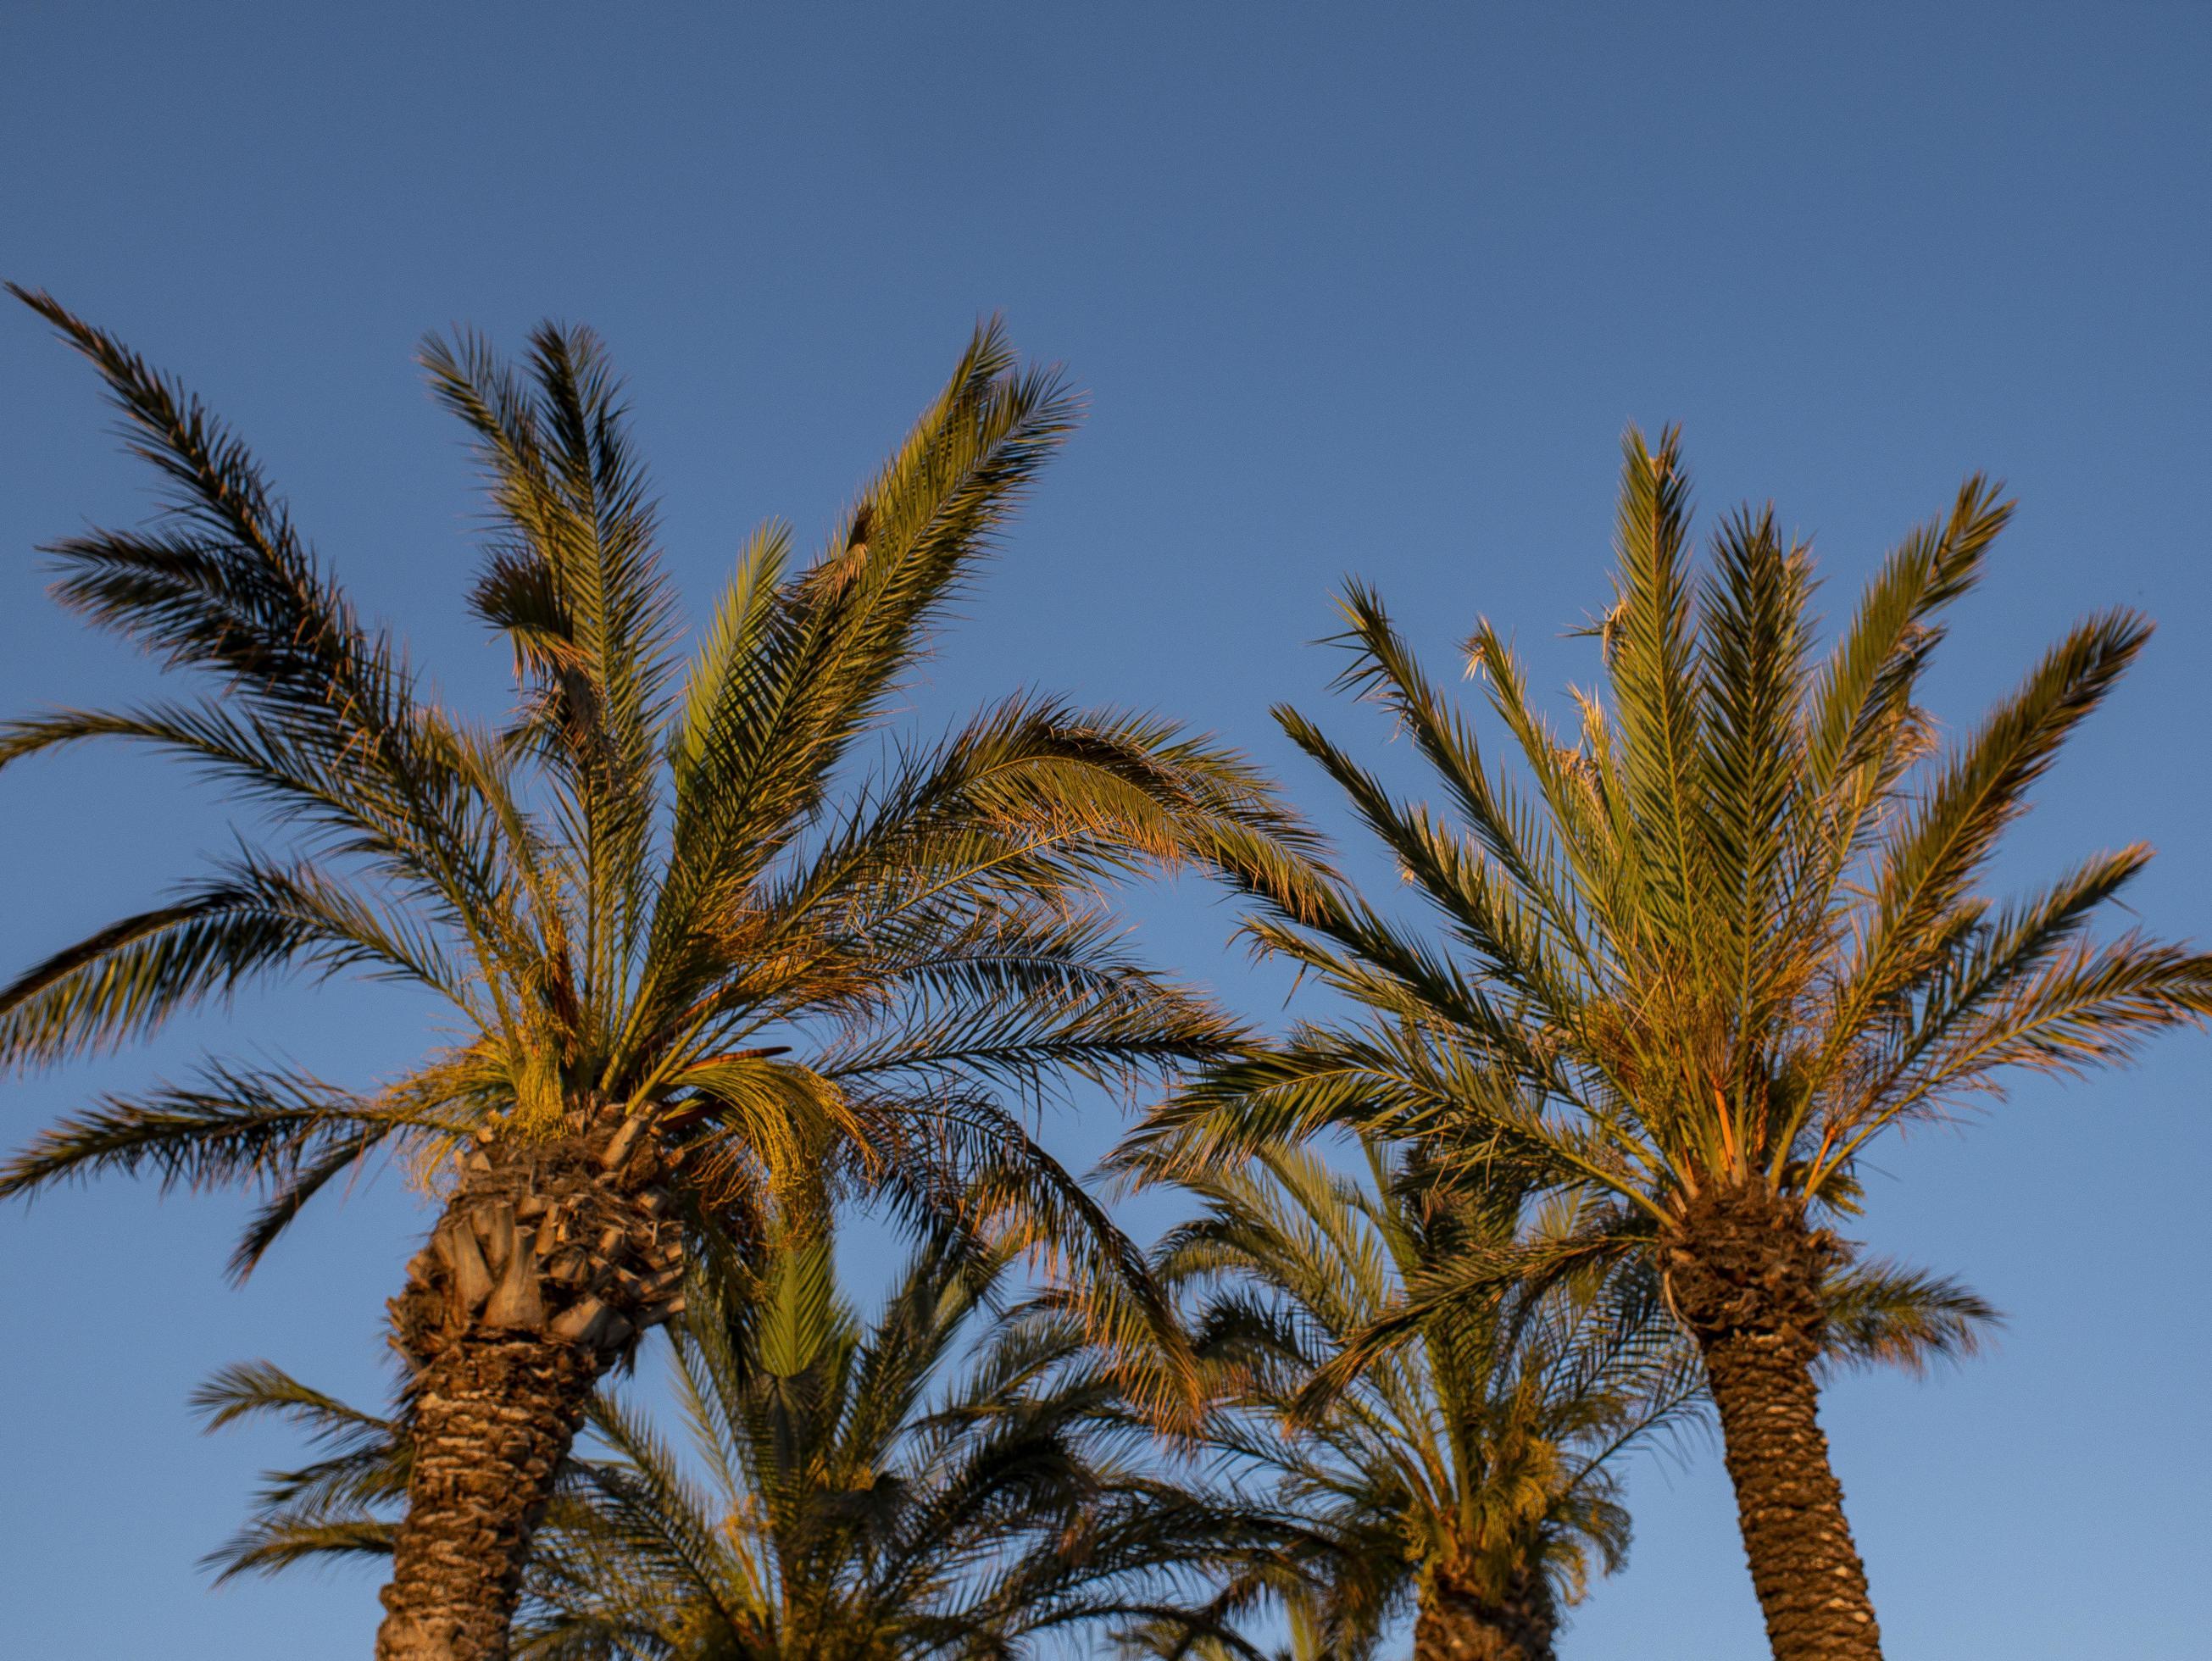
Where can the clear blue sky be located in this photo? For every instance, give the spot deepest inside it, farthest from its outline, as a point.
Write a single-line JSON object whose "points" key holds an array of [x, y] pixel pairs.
{"points": [[1363, 288]]}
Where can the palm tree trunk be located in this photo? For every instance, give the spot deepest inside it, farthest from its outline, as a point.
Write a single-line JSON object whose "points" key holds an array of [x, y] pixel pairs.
{"points": [[550, 1257], [493, 1421], [1457, 1624], [1745, 1273]]}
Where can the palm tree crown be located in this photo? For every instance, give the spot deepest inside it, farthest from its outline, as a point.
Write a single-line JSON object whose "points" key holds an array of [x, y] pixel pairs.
{"points": [[622, 892], [1467, 1471]]}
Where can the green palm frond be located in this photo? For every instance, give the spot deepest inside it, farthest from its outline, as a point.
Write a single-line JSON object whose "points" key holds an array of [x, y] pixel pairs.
{"points": [[236, 1125], [574, 581], [233, 592], [1923, 898], [331, 1510], [1881, 1314], [764, 731]]}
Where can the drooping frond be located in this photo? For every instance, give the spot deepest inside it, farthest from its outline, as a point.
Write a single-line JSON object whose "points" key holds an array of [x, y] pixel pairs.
{"points": [[235, 1124]]}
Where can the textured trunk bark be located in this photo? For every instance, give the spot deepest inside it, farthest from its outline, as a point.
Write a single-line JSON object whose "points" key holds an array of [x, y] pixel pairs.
{"points": [[1745, 1273], [551, 1258], [492, 1421], [1455, 1624]]}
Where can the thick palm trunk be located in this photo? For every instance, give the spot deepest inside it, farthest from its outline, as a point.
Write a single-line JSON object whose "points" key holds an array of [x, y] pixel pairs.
{"points": [[550, 1257], [1457, 1624], [493, 1421], [1745, 1273]]}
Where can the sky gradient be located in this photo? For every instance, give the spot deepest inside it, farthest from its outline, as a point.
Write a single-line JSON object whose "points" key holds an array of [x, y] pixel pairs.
{"points": [[1355, 289]]}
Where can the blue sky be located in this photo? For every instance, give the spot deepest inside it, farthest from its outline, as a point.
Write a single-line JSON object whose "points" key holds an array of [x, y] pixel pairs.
{"points": [[1365, 290]]}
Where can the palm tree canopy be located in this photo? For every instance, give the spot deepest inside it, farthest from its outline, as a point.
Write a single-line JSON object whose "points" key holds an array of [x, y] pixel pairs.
{"points": [[655, 882], [1482, 1447], [949, 1478], [1729, 930]]}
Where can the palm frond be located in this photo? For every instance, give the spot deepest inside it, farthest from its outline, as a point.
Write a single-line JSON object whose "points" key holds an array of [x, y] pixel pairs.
{"points": [[1882, 1315]]}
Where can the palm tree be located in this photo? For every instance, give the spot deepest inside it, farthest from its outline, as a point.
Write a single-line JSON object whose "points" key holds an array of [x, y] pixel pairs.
{"points": [[1702, 956], [1469, 1471], [689, 986], [886, 1492]]}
